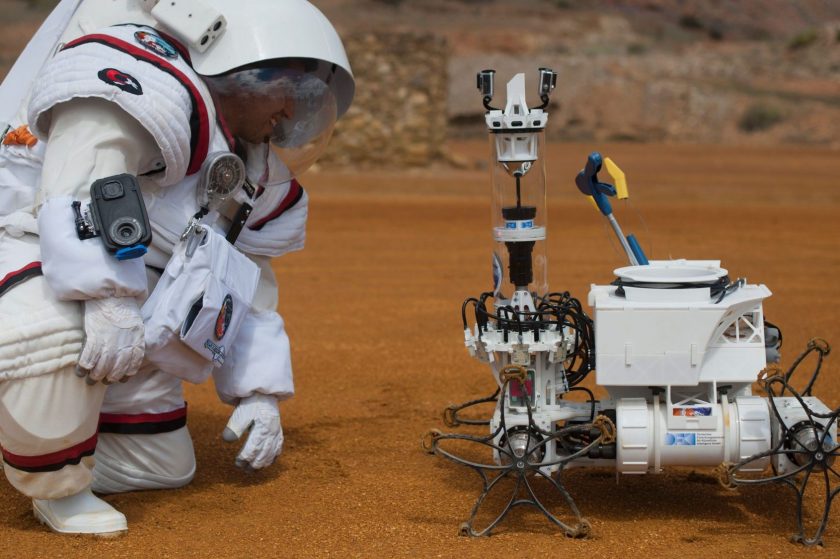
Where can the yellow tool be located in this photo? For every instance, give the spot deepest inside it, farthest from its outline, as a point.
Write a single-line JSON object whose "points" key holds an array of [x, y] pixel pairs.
{"points": [[618, 176], [620, 181]]}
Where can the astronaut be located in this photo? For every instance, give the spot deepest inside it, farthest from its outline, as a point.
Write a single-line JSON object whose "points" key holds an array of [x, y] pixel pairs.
{"points": [[140, 88]]}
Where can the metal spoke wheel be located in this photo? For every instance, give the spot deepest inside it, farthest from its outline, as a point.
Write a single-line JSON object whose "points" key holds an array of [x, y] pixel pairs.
{"points": [[452, 418], [804, 456], [522, 465]]}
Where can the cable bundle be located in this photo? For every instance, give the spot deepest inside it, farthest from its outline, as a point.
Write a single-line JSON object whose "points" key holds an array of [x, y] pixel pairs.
{"points": [[555, 312]]}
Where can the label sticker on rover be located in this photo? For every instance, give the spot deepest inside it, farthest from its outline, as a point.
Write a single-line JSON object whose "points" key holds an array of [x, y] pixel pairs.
{"points": [[692, 412], [693, 439], [524, 224], [520, 392], [119, 79]]}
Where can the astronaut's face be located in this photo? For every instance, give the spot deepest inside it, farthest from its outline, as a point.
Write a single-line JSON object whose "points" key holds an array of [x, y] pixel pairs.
{"points": [[287, 103], [253, 118]]}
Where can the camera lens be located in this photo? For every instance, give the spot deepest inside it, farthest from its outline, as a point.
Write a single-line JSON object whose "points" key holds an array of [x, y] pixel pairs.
{"points": [[112, 190], [125, 231]]}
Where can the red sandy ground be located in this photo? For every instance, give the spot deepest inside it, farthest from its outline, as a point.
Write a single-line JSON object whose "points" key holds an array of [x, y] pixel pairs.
{"points": [[372, 307]]}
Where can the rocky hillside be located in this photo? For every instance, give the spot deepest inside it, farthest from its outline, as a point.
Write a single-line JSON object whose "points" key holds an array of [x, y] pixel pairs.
{"points": [[699, 71], [706, 71]]}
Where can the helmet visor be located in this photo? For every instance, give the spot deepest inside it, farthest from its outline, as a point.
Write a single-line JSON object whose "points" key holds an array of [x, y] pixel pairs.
{"points": [[289, 103]]}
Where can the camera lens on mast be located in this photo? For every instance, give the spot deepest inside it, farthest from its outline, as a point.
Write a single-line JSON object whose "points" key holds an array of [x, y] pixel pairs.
{"points": [[485, 82], [548, 81]]}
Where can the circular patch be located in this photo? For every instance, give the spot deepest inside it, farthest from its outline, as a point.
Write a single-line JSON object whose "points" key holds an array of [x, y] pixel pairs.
{"points": [[120, 79], [155, 44], [223, 320]]}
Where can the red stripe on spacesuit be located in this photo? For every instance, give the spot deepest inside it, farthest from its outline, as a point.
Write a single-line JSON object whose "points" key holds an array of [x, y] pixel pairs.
{"points": [[143, 423], [14, 278], [143, 417], [199, 150], [52, 461], [289, 200], [231, 142]]}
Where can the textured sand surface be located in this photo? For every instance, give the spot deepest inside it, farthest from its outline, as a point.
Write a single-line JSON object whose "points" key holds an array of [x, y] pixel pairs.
{"points": [[372, 306]]}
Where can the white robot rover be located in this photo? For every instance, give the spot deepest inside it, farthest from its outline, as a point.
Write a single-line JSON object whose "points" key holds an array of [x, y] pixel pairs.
{"points": [[676, 345]]}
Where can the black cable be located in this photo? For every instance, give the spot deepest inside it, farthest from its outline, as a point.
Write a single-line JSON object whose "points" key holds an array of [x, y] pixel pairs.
{"points": [[487, 105], [518, 178], [779, 330], [591, 400], [464, 310], [718, 288]]}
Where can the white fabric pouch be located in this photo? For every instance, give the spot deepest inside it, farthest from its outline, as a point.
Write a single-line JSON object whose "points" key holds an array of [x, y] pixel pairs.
{"points": [[195, 312]]}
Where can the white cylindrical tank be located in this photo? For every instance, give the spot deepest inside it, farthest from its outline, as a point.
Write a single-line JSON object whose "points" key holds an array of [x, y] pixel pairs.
{"points": [[732, 431]]}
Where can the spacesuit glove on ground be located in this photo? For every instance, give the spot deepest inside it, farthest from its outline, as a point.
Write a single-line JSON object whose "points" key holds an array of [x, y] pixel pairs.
{"points": [[114, 341], [260, 413]]}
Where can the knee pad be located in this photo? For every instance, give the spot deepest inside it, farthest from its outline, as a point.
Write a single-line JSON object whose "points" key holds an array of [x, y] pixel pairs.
{"points": [[40, 334], [127, 462], [48, 426]]}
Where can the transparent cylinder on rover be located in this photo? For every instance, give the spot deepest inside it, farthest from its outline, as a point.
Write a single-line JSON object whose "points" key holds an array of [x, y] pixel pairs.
{"points": [[519, 212]]}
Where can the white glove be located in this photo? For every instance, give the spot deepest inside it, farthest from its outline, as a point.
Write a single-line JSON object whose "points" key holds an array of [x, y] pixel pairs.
{"points": [[114, 342], [258, 412]]}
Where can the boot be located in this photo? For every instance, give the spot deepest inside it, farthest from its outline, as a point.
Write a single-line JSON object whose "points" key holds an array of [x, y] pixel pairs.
{"points": [[82, 513]]}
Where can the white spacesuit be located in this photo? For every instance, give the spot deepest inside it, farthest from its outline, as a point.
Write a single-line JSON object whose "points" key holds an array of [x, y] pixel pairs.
{"points": [[136, 87]]}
